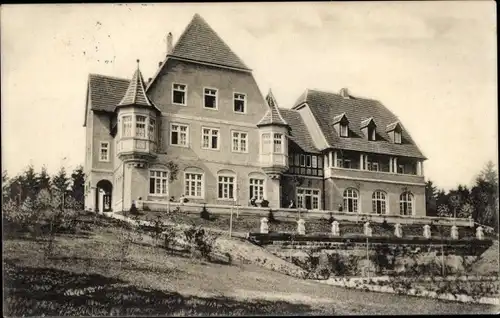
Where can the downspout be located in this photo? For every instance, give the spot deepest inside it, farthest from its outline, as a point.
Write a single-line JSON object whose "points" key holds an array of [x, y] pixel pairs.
{"points": [[324, 194], [123, 187]]}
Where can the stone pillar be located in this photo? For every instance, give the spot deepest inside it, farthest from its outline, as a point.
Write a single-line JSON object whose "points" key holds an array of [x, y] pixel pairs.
{"points": [[480, 233], [419, 168], [391, 164], [264, 227], [361, 162], [301, 228], [273, 191], [335, 228], [422, 168], [395, 169], [397, 230], [101, 200], [427, 231], [454, 232], [335, 158], [367, 229]]}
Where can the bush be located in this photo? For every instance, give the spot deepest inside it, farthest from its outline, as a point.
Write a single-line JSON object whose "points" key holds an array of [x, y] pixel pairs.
{"points": [[204, 214], [133, 209], [264, 203], [200, 241]]}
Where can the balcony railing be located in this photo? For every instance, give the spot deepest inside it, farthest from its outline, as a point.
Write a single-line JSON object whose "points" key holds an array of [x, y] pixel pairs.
{"points": [[375, 175]]}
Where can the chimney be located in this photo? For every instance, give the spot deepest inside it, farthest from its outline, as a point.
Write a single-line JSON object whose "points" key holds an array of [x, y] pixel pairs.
{"points": [[169, 42], [344, 93], [159, 63]]}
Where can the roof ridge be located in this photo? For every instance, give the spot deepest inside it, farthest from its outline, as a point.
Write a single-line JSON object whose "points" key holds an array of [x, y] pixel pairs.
{"points": [[108, 76], [337, 94]]}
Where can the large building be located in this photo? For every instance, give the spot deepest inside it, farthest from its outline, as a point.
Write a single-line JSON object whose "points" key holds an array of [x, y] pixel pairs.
{"points": [[201, 128]]}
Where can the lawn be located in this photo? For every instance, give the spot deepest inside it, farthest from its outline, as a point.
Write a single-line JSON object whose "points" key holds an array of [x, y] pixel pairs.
{"points": [[85, 277]]}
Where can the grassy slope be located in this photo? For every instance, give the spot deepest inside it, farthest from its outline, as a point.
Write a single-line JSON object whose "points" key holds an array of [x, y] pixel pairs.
{"points": [[489, 262], [153, 282]]}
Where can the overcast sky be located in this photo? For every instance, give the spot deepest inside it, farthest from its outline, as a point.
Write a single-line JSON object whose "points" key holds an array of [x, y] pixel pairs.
{"points": [[432, 63]]}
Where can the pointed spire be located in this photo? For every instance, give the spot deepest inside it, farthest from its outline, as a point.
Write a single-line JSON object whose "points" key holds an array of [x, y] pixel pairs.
{"points": [[136, 92], [273, 115]]}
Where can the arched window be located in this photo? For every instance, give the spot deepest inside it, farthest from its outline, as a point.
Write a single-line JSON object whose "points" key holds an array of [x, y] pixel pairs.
{"points": [[256, 185], [406, 203], [226, 185], [378, 202], [194, 182], [351, 200]]}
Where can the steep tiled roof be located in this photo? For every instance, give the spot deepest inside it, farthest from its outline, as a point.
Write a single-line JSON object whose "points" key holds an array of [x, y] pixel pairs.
{"points": [[339, 118], [299, 133], [273, 115], [200, 42], [106, 91], [136, 93], [392, 126], [325, 106], [367, 122]]}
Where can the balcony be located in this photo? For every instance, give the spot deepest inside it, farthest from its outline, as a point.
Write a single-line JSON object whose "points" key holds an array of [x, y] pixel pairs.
{"points": [[128, 147], [375, 175]]}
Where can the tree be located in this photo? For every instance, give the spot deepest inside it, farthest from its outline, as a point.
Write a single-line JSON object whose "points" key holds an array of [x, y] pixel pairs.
{"points": [[484, 197], [431, 198], [5, 186], [60, 183], [29, 184], [43, 181], [78, 185]]}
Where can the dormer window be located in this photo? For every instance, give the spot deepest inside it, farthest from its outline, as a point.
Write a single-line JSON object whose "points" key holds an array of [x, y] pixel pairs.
{"points": [[397, 137], [371, 133], [394, 130], [344, 130]]}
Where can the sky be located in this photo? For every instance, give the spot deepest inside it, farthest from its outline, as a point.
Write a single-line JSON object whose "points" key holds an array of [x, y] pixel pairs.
{"points": [[431, 63]]}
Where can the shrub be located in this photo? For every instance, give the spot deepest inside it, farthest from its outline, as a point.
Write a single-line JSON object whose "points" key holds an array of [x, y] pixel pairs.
{"points": [[200, 241], [133, 209], [270, 217], [264, 203], [204, 214]]}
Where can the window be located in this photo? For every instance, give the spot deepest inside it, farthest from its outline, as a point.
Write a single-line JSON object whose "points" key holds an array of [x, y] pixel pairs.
{"points": [[278, 143], [308, 198], [302, 160], [179, 135], [378, 202], [210, 138], [406, 203], [226, 187], [401, 169], [397, 137], [266, 143], [210, 98], [104, 151], [351, 200], [239, 141], [314, 161], [127, 126], [346, 163], [140, 126], [256, 188], [179, 94], [152, 129], [239, 102], [308, 161], [344, 130], [193, 185], [158, 182], [371, 133]]}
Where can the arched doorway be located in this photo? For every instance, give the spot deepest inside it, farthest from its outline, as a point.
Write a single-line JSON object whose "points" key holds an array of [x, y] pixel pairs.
{"points": [[103, 201]]}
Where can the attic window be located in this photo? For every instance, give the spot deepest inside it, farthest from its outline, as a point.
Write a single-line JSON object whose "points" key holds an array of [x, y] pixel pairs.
{"points": [[344, 130], [397, 137], [371, 133]]}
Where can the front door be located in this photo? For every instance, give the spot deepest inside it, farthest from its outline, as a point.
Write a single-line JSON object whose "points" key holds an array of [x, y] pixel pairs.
{"points": [[106, 203]]}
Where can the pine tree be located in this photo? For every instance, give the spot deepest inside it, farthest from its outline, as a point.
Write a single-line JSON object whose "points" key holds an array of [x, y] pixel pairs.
{"points": [[29, 183], [431, 198], [78, 185], [60, 183], [43, 181]]}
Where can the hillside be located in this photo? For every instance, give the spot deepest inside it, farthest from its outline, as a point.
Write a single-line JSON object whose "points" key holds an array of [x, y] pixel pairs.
{"points": [[84, 278]]}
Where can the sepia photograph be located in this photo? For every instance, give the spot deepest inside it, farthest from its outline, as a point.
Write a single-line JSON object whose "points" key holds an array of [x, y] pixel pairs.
{"points": [[253, 158]]}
